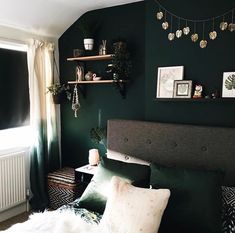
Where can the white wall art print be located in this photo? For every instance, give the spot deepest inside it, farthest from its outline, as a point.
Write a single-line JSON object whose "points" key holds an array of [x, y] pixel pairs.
{"points": [[165, 80], [228, 85]]}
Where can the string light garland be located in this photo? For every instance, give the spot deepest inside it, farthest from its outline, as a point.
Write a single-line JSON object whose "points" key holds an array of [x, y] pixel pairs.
{"points": [[183, 28]]}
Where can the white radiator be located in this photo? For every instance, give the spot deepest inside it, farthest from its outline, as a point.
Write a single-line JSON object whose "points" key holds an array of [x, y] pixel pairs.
{"points": [[12, 180]]}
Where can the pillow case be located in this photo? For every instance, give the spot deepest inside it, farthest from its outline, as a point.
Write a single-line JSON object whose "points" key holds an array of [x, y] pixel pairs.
{"points": [[228, 209], [195, 203], [131, 209], [125, 158], [95, 195]]}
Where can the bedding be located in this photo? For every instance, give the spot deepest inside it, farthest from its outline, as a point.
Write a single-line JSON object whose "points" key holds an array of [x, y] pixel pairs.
{"points": [[95, 196], [228, 209], [195, 203], [54, 222], [132, 209], [129, 209]]}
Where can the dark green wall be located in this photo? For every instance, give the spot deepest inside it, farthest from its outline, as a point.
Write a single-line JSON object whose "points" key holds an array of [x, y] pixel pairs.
{"points": [[150, 49], [205, 66], [126, 21]]}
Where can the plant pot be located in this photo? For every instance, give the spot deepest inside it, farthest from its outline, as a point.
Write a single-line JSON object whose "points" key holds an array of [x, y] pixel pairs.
{"points": [[88, 43], [56, 99]]}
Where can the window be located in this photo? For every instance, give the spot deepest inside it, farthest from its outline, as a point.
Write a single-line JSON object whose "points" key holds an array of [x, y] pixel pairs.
{"points": [[14, 88], [14, 96]]}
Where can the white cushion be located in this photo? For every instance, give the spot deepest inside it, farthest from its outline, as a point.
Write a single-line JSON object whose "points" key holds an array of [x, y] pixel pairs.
{"points": [[131, 210]]}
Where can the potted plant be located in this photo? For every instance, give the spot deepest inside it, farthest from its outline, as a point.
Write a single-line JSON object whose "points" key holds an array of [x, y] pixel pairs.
{"points": [[121, 60], [88, 30], [58, 90]]}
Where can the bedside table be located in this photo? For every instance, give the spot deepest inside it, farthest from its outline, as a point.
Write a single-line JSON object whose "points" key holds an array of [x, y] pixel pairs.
{"points": [[83, 176]]}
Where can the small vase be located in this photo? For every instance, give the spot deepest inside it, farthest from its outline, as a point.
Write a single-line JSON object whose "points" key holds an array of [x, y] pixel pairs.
{"points": [[89, 76]]}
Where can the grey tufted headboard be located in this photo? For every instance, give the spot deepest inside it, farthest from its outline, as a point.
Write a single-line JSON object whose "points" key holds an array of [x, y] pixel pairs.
{"points": [[198, 147]]}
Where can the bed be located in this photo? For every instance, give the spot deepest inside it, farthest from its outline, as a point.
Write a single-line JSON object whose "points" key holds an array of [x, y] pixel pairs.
{"points": [[195, 163]]}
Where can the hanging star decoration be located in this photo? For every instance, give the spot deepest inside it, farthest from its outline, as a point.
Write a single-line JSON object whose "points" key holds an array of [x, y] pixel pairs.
{"points": [[184, 28]]}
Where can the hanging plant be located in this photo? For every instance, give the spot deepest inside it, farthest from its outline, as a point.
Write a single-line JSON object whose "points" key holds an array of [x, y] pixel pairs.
{"points": [[58, 91], [121, 60]]}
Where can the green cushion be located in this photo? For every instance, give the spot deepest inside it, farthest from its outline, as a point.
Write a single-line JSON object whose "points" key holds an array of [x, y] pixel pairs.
{"points": [[95, 196], [195, 202]]}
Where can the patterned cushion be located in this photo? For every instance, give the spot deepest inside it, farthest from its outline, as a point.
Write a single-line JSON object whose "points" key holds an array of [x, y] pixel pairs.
{"points": [[132, 209], [88, 216], [228, 209]]}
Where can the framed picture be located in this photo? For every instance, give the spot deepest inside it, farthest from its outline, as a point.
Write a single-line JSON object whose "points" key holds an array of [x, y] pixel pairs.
{"points": [[182, 89], [228, 89], [165, 80]]}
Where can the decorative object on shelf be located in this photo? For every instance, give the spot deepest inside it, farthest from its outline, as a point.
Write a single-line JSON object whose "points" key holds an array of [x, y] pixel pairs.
{"points": [[79, 71], [88, 30], [182, 89], [198, 91], [94, 157], [165, 80], [58, 90], [121, 60], [95, 77], [228, 84], [88, 43], [89, 76], [75, 101], [103, 48], [78, 52], [110, 71], [215, 94], [223, 24]]}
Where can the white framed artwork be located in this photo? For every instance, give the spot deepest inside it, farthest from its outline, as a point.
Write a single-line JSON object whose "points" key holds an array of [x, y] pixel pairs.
{"points": [[165, 80], [228, 89]]}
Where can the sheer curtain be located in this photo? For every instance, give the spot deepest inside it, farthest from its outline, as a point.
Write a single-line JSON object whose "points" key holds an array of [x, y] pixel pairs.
{"points": [[44, 120]]}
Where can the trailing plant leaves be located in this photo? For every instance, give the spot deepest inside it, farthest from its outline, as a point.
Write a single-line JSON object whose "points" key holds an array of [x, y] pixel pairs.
{"points": [[98, 135], [230, 82]]}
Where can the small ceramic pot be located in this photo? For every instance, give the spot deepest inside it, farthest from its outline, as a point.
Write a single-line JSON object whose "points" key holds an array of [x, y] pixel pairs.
{"points": [[89, 76], [88, 43]]}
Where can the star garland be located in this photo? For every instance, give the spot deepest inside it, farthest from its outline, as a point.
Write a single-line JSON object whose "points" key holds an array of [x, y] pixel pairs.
{"points": [[184, 29]]}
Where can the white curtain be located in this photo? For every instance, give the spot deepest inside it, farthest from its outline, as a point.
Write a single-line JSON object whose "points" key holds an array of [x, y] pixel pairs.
{"points": [[44, 117]]}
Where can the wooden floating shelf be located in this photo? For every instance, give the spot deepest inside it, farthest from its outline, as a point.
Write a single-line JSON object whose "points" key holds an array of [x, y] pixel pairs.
{"points": [[194, 99], [97, 82], [92, 58]]}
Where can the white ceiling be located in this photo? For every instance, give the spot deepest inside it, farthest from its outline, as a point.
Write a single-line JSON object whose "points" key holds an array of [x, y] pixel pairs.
{"points": [[48, 17]]}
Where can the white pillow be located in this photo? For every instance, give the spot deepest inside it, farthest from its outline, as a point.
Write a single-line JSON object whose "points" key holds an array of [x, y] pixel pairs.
{"points": [[125, 158], [131, 210]]}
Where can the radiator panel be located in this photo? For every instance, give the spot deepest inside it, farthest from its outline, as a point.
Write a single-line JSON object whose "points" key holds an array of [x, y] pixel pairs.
{"points": [[12, 180]]}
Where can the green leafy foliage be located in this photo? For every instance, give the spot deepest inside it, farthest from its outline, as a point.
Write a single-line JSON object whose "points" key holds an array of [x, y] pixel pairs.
{"points": [[58, 89], [230, 82], [98, 135], [89, 29], [121, 60]]}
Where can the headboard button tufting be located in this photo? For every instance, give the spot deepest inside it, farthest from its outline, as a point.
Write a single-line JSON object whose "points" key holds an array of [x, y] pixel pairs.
{"points": [[125, 139], [148, 141], [203, 148]]}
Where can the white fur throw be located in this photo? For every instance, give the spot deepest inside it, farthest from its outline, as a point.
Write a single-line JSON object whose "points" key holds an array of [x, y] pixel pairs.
{"points": [[53, 222]]}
